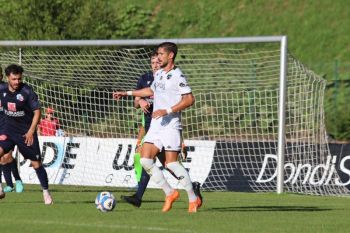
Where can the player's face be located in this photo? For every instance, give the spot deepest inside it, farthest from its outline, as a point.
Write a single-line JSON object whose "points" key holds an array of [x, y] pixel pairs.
{"points": [[14, 81], [164, 57], [155, 64]]}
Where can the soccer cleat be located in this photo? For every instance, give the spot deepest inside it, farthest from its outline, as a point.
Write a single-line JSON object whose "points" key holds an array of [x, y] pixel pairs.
{"points": [[8, 189], [2, 194], [194, 206], [169, 200], [133, 200], [19, 186], [196, 189], [47, 198]]}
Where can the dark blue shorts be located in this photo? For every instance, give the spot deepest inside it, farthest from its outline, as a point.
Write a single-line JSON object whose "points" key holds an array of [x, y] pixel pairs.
{"points": [[8, 142]]}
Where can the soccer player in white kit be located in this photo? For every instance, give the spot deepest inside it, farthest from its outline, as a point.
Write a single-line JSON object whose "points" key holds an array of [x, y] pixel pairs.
{"points": [[171, 95]]}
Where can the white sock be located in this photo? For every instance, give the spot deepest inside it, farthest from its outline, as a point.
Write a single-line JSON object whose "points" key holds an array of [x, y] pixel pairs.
{"points": [[45, 191], [158, 176], [185, 180]]}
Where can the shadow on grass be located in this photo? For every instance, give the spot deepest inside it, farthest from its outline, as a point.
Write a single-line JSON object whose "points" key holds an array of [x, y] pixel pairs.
{"points": [[270, 208]]}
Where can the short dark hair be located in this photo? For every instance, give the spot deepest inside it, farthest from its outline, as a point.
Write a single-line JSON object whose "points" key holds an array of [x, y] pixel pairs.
{"points": [[154, 53], [13, 69], [169, 47]]}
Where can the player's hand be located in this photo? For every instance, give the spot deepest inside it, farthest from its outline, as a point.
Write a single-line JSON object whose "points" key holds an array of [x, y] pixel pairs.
{"points": [[144, 105], [159, 113], [118, 94], [28, 138], [183, 152]]}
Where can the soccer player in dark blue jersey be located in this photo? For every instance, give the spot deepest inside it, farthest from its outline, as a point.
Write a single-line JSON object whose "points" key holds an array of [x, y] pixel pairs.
{"points": [[8, 165], [22, 115]]}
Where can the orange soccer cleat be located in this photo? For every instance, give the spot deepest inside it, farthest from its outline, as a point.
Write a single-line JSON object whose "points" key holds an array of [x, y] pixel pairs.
{"points": [[169, 200], [194, 206]]}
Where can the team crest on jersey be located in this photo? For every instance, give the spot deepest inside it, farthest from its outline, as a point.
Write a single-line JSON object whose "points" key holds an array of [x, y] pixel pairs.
{"points": [[169, 76], [182, 84], [11, 106], [19, 97], [4, 94]]}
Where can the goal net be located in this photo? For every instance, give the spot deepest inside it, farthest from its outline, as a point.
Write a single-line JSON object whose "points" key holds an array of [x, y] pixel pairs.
{"points": [[231, 132]]}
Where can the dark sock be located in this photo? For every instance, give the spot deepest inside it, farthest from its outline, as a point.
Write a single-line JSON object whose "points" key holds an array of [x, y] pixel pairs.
{"points": [[143, 184], [14, 170], [6, 169], [42, 176]]}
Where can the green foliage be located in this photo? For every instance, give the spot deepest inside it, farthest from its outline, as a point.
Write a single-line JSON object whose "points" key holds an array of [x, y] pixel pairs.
{"points": [[71, 19], [133, 22]]}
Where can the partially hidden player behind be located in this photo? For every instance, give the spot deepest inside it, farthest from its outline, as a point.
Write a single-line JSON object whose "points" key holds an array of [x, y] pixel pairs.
{"points": [[22, 115], [171, 95], [146, 105], [8, 164]]}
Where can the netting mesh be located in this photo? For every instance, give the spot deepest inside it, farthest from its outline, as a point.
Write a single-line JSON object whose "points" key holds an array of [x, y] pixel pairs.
{"points": [[236, 91]]}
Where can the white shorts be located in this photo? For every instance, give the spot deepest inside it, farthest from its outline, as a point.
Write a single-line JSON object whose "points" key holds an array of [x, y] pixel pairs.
{"points": [[169, 139]]}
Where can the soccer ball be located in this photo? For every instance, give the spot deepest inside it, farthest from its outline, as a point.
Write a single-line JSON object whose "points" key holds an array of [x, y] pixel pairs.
{"points": [[105, 201]]}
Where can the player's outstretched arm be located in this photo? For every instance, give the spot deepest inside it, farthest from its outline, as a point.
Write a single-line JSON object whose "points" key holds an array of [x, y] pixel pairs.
{"points": [[138, 93]]}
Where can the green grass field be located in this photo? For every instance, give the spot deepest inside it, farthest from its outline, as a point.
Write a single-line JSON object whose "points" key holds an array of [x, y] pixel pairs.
{"points": [[74, 211]]}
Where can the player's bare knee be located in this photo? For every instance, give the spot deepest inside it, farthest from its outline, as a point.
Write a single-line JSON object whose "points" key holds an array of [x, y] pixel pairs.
{"points": [[36, 164], [2, 152]]}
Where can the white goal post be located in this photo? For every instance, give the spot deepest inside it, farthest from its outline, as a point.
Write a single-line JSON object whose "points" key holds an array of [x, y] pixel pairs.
{"points": [[249, 130]]}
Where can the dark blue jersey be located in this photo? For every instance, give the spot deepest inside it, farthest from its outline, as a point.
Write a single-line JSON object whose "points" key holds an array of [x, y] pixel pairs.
{"points": [[145, 81], [3, 87], [18, 108]]}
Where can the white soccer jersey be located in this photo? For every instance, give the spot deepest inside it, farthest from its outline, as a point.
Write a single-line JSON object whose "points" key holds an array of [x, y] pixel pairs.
{"points": [[168, 88]]}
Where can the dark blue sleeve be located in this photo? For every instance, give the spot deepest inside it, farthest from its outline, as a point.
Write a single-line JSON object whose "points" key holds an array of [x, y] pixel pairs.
{"points": [[33, 100], [139, 83]]}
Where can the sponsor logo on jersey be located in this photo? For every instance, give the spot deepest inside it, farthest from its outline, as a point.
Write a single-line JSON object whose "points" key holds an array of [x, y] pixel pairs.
{"points": [[14, 114], [11, 106], [19, 97]]}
